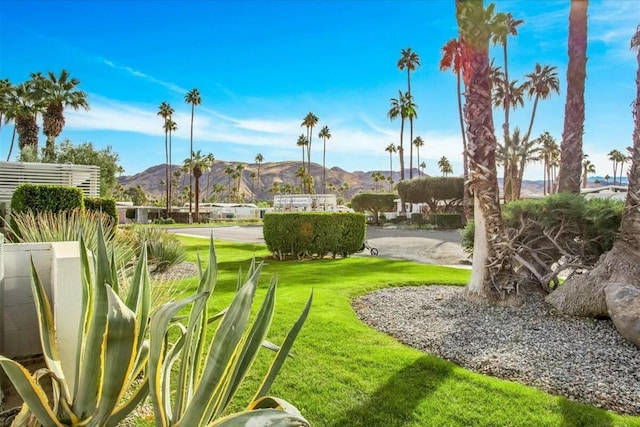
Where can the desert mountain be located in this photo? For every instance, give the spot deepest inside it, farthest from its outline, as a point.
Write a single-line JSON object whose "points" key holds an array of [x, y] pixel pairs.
{"points": [[282, 173]]}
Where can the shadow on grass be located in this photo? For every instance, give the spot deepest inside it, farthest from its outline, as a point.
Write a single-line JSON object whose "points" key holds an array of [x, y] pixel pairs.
{"points": [[394, 403], [582, 415]]}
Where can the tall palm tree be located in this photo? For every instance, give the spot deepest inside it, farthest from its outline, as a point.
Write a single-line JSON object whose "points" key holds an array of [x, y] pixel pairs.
{"points": [[422, 166], [302, 142], [398, 110], [239, 169], [490, 276], [171, 127], [504, 25], [211, 159], [165, 111], [445, 166], [548, 149], [60, 92], [309, 121], [8, 110], [259, 159], [526, 152], [614, 156], [324, 134], [391, 148], [617, 270], [198, 163], [192, 97], [540, 84], [409, 60], [229, 172], [452, 59], [6, 89], [410, 112], [587, 168], [418, 142], [571, 159], [300, 174]]}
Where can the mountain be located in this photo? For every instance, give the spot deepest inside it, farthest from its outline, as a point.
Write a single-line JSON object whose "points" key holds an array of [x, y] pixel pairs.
{"points": [[270, 172]]}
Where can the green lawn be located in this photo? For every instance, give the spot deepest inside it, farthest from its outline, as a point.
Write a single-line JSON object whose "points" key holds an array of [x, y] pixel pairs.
{"points": [[345, 373]]}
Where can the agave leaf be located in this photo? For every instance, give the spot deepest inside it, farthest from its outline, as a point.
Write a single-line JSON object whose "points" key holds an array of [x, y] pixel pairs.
{"points": [[119, 358], [160, 321], [139, 297], [261, 417], [47, 328], [281, 356], [270, 402], [121, 412], [115, 284], [89, 371], [250, 348], [221, 353], [30, 392]]}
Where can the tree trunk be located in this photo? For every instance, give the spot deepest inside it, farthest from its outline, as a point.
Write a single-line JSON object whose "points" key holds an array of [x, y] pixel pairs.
{"points": [[584, 295], [401, 151], [410, 147], [491, 274], [571, 159], [467, 196]]}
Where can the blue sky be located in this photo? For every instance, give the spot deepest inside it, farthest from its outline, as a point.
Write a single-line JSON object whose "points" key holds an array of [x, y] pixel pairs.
{"points": [[261, 66]]}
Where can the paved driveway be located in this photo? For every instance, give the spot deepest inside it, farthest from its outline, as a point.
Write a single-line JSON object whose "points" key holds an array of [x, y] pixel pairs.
{"points": [[424, 246]]}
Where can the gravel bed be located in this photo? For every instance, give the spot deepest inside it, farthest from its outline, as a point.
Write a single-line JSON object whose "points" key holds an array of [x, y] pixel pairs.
{"points": [[585, 360]]}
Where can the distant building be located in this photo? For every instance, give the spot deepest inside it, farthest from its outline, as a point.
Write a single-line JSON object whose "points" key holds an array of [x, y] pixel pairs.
{"points": [[305, 202]]}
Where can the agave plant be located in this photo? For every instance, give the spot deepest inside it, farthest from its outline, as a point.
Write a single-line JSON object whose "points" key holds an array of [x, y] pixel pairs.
{"points": [[110, 356], [190, 388]]}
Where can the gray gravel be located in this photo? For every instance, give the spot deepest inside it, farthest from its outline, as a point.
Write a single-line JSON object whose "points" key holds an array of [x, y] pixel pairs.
{"points": [[583, 359]]}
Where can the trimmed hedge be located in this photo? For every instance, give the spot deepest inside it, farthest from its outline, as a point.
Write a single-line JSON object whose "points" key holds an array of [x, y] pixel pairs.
{"points": [[104, 205], [46, 198], [446, 220], [313, 233], [374, 203]]}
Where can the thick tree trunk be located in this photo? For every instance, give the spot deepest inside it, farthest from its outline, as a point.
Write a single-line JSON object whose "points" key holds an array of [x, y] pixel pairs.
{"points": [[584, 295], [571, 159], [491, 275]]}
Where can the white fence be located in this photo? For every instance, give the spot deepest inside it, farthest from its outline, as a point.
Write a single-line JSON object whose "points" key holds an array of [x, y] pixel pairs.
{"points": [[12, 174]]}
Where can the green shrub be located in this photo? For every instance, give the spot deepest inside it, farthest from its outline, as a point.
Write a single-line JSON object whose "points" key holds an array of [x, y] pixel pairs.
{"points": [[376, 203], [46, 198], [164, 249], [68, 226], [467, 236], [163, 221], [130, 214], [102, 204], [313, 233], [445, 220]]}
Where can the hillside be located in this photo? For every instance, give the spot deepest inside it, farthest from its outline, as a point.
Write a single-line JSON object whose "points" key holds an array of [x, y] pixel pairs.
{"points": [[270, 172]]}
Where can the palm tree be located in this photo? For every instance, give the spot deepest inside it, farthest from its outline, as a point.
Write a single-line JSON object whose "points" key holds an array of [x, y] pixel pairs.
{"points": [[302, 142], [259, 159], [617, 270], [490, 277], [165, 111], [211, 159], [252, 176], [548, 149], [23, 111], [398, 110], [198, 163], [418, 142], [229, 172], [445, 166], [391, 148], [504, 26], [614, 156], [170, 127], [192, 97], [59, 92], [587, 168], [452, 58], [540, 84], [324, 134], [622, 159], [9, 109], [409, 60], [526, 151], [300, 174], [422, 166], [410, 112], [309, 121], [571, 159], [239, 169]]}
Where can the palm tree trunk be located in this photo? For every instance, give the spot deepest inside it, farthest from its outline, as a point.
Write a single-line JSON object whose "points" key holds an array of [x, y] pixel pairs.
{"points": [[410, 147], [13, 138], [467, 197], [533, 116], [571, 159], [197, 194], [193, 107], [166, 169], [401, 150], [491, 258], [324, 169]]}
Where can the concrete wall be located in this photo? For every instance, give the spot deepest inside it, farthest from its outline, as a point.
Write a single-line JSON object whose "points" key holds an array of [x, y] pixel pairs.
{"points": [[58, 266]]}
